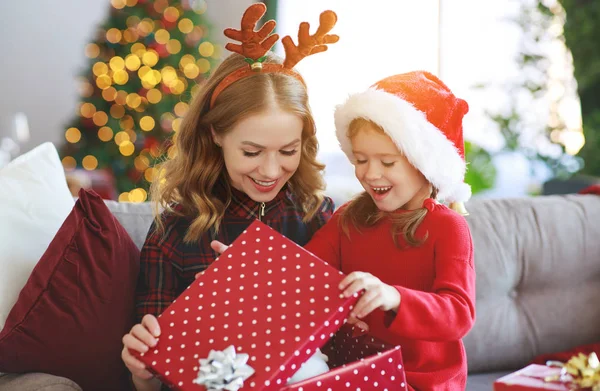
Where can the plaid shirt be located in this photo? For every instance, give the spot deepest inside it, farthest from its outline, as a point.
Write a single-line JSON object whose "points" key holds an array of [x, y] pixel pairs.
{"points": [[168, 265]]}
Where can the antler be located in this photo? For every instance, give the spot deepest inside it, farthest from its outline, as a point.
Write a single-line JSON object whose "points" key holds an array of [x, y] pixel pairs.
{"points": [[310, 44], [254, 44]]}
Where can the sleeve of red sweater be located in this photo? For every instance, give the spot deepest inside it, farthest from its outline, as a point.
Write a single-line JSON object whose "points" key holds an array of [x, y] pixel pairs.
{"points": [[446, 313], [325, 243]]}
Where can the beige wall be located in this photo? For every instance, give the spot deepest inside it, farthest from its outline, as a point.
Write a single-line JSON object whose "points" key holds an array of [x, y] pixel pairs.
{"points": [[41, 51]]}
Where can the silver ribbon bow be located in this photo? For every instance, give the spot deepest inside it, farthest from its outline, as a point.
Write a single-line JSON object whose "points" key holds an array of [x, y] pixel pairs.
{"points": [[224, 370]]}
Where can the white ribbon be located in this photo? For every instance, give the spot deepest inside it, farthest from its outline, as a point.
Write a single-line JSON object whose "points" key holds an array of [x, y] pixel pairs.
{"points": [[224, 370]]}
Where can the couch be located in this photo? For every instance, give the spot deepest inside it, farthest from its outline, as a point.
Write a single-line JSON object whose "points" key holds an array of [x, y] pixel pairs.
{"points": [[538, 281]]}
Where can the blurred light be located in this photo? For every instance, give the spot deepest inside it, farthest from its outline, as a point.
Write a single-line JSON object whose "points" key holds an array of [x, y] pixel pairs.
{"points": [[199, 6], [132, 135], [131, 3], [203, 65], [100, 69], [138, 195], [109, 94], [171, 14], [132, 21], [173, 46], [185, 25], [127, 148], [176, 125], [100, 118], [145, 27], [133, 100], [150, 58], [117, 63], [181, 109], [118, 4], [73, 135], [154, 96], [85, 89], [149, 174], [195, 89], [92, 50], [121, 77], [162, 36], [114, 35], [191, 71], [121, 98], [130, 35], [178, 87], [126, 122], [124, 197], [103, 82], [138, 49], [117, 111], [573, 141], [147, 123], [90, 162], [141, 163], [87, 110], [217, 54], [169, 75], [69, 163], [160, 6], [132, 62], [105, 133], [185, 60], [206, 49], [121, 137]]}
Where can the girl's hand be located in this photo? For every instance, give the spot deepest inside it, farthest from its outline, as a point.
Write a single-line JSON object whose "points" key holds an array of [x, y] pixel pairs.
{"points": [[376, 295], [141, 338]]}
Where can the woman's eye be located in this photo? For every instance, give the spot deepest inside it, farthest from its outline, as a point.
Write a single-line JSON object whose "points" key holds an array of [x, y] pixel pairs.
{"points": [[289, 153], [358, 161], [388, 164], [251, 154]]}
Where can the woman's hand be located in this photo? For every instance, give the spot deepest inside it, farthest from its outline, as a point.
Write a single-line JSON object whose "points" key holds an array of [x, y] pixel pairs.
{"points": [[218, 247], [141, 338], [376, 294]]}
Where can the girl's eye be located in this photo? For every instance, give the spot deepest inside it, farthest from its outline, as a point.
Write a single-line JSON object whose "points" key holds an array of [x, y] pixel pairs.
{"points": [[388, 164], [289, 153], [251, 154]]}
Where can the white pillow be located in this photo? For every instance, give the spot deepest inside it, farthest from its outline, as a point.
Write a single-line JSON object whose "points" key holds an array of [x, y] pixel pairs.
{"points": [[34, 202]]}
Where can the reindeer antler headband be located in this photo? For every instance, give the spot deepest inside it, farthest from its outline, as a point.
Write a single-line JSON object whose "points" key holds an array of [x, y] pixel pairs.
{"points": [[254, 45]]}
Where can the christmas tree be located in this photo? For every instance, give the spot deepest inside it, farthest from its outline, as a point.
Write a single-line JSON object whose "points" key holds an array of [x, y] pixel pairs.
{"points": [[145, 65]]}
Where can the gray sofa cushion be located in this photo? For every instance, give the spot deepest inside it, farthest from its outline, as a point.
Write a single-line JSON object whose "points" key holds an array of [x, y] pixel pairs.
{"points": [[36, 382], [483, 381], [538, 278]]}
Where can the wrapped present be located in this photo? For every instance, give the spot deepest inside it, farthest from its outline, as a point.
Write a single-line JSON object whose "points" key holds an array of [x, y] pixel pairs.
{"points": [[581, 372], [359, 361], [252, 318]]}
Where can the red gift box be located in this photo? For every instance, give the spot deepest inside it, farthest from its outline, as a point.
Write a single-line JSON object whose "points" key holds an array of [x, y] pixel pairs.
{"points": [[534, 377], [358, 361], [256, 315]]}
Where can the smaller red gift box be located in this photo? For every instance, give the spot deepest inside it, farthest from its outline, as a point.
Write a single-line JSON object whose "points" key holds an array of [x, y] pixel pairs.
{"points": [[534, 377]]}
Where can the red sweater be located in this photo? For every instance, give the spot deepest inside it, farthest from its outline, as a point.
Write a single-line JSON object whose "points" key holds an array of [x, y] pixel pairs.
{"points": [[436, 282]]}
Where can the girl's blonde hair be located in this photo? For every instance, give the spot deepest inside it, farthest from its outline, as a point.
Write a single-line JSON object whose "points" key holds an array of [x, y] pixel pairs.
{"points": [[361, 211], [188, 178]]}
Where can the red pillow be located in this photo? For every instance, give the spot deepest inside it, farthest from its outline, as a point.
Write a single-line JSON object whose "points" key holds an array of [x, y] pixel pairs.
{"points": [[77, 304]]}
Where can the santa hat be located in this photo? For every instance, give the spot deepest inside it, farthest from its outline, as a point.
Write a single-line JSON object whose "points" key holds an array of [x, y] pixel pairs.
{"points": [[424, 119]]}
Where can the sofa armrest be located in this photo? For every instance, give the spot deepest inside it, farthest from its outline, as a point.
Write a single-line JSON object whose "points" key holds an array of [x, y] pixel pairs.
{"points": [[36, 382]]}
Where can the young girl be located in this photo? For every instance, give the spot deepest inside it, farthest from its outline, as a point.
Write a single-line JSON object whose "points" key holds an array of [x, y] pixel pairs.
{"points": [[411, 256], [246, 150]]}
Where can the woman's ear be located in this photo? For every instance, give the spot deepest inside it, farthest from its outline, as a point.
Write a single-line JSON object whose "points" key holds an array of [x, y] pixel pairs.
{"points": [[215, 137]]}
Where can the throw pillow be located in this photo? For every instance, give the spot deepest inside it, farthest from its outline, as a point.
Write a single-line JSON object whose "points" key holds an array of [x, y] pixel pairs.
{"points": [[34, 202], [78, 303]]}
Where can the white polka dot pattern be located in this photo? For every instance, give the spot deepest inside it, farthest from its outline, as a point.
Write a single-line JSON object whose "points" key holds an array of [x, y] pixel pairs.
{"points": [[266, 296], [382, 372]]}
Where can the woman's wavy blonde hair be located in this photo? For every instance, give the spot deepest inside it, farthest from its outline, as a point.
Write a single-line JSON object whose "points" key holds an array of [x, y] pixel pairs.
{"points": [[361, 211], [188, 178]]}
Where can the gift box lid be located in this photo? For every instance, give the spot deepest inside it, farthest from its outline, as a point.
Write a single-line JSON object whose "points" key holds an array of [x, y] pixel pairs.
{"points": [[266, 297], [534, 377]]}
